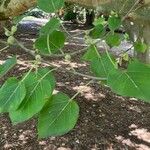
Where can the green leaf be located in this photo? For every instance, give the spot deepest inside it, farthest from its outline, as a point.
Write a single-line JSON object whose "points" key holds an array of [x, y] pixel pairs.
{"points": [[48, 76], [58, 117], [133, 82], [51, 26], [114, 22], [39, 88], [9, 64], [126, 57], [50, 6], [12, 94], [99, 21], [91, 53], [97, 32], [51, 43], [140, 47], [113, 40], [103, 65]]}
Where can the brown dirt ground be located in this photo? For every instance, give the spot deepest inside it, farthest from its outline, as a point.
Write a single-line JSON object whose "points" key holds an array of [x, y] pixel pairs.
{"points": [[107, 121]]}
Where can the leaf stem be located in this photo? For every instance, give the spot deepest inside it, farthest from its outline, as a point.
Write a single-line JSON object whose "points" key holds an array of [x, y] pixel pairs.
{"points": [[48, 46], [4, 48], [75, 95]]}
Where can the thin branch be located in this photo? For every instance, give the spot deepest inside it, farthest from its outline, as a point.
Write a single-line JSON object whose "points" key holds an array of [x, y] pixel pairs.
{"points": [[78, 92], [63, 55], [131, 9], [31, 52], [4, 48], [47, 55], [123, 52], [60, 68]]}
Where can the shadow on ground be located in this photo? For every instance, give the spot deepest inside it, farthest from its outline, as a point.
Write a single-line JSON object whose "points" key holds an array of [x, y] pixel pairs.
{"points": [[107, 121]]}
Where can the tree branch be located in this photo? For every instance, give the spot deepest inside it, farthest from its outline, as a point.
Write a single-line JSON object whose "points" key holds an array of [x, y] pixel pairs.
{"points": [[31, 52], [60, 68]]}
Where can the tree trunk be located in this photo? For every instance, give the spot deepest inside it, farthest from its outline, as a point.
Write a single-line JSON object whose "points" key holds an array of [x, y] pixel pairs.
{"points": [[11, 8], [145, 57], [139, 32], [90, 15]]}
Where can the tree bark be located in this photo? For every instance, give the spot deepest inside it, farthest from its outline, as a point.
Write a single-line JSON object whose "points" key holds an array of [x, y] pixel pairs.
{"points": [[11, 8], [145, 37], [90, 16], [139, 32]]}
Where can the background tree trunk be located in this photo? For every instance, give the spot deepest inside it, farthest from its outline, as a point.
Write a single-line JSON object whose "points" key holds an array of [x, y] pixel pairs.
{"points": [[90, 16], [145, 35], [140, 32]]}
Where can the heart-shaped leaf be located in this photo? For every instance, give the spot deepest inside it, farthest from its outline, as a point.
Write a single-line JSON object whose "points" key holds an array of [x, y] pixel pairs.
{"points": [[10, 63], [12, 94], [39, 88], [50, 6], [133, 82], [58, 117], [50, 43]]}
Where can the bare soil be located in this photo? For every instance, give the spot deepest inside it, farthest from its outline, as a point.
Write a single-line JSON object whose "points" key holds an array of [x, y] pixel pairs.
{"points": [[107, 121]]}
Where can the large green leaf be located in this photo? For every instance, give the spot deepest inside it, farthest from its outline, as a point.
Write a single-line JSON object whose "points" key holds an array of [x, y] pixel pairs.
{"points": [[50, 26], [11, 95], [50, 43], [91, 54], [113, 39], [100, 20], [50, 5], [103, 65], [133, 82], [140, 47], [97, 32], [100, 65], [10, 63], [114, 22], [58, 117], [48, 76], [39, 88]]}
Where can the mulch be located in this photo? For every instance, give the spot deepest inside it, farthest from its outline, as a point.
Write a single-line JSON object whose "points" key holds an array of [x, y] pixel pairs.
{"points": [[107, 121]]}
